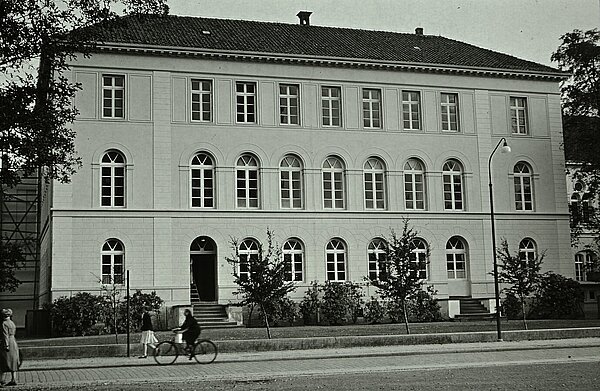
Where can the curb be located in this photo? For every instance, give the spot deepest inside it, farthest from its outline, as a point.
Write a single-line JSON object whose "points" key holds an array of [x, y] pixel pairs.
{"points": [[265, 345]]}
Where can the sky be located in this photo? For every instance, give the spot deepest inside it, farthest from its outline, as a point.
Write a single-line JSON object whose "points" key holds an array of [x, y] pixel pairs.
{"points": [[528, 29]]}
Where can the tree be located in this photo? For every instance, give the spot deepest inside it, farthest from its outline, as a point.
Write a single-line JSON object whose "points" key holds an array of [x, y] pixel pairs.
{"points": [[558, 297], [38, 39], [579, 55], [521, 272], [398, 279], [11, 259], [260, 277]]}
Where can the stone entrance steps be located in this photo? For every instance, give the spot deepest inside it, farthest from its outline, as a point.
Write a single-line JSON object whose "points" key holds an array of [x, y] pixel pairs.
{"points": [[212, 316], [472, 309]]}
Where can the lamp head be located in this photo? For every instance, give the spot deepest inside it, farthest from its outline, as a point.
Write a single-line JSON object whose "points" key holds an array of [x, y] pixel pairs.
{"points": [[505, 147]]}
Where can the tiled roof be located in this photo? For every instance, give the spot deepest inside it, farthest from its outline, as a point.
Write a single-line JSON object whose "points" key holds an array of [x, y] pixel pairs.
{"points": [[311, 41]]}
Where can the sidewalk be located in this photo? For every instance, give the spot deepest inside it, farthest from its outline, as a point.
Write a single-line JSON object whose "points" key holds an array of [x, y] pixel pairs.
{"points": [[373, 351]]}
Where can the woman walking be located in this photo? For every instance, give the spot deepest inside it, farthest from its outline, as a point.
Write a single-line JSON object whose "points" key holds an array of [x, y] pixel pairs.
{"points": [[9, 351], [148, 338]]}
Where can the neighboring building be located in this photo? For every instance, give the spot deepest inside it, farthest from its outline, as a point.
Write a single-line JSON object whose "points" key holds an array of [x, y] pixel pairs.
{"points": [[583, 207], [195, 130]]}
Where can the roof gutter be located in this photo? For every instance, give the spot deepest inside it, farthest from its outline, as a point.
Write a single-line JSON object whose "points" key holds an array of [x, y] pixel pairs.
{"points": [[326, 61]]}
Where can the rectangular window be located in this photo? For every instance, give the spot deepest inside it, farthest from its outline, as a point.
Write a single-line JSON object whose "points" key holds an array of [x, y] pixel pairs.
{"points": [[450, 112], [411, 110], [331, 105], [245, 97], [291, 189], [414, 191], [247, 188], [113, 96], [293, 266], [201, 100], [518, 115], [456, 266], [371, 99], [374, 192], [289, 104]]}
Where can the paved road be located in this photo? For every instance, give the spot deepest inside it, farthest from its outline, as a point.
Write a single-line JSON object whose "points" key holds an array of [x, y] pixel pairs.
{"points": [[574, 363]]}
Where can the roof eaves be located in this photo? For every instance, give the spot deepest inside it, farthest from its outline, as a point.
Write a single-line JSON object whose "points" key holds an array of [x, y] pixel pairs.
{"points": [[332, 61]]}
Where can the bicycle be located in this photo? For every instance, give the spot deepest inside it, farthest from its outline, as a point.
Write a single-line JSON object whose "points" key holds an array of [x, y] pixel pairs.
{"points": [[203, 351]]}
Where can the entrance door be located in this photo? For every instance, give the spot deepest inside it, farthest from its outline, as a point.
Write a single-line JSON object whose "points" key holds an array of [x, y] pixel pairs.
{"points": [[203, 264]]}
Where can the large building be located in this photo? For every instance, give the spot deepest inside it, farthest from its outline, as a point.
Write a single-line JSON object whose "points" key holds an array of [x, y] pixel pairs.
{"points": [[193, 131]]}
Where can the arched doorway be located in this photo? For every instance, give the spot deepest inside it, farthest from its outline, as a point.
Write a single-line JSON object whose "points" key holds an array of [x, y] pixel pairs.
{"points": [[203, 268]]}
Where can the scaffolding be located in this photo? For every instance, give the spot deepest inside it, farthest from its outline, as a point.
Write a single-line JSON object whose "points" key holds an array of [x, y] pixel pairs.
{"points": [[20, 224]]}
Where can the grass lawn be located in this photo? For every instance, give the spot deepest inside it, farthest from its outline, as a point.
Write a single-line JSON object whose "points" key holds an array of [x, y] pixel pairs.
{"points": [[328, 331]]}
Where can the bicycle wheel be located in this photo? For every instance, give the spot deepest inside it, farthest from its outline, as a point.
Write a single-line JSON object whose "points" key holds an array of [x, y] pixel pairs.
{"points": [[166, 353], [205, 351]]}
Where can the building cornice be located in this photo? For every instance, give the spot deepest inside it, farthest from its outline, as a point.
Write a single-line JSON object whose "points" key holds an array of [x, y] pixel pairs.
{"points": [[155, 50]]}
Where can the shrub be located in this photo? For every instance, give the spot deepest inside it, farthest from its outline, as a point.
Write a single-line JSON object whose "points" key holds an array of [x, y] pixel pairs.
{"points": [[394, 311], [511, 307], [374, 311], [334, 305], [138, 302], [76, 315], [557, 297], [309, 306], [424, 307], [354, 300], [284, 310]]}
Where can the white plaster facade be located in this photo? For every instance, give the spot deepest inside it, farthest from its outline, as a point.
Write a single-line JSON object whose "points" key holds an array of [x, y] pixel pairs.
{"points": [[158, 140]]}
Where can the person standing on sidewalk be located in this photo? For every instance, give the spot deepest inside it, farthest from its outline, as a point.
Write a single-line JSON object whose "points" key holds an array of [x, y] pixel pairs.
{"points": [[148, 338], [9, 351]]}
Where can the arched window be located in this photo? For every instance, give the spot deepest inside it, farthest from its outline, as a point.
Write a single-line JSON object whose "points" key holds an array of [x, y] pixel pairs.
{"points": [[247, 182], [584, 260], [574, 209], [418, 256], [293, 256], [290, 179], [414, 184], [527, 252], [336, 260], [113, 262], [333, 184], [453, 185], [456, 258], [523, 190], [248, 253], [374, 176], [377, 252], [202, 175], [112, 169]]}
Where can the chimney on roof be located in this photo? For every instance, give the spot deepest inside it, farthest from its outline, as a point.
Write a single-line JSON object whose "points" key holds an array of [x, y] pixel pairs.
{"points": [[419, 31], [304, 17]]}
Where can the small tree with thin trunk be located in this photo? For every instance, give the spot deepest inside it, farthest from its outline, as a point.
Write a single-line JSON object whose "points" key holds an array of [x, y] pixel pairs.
{"points": [[398, 279], [260, 277], [520, 272]]}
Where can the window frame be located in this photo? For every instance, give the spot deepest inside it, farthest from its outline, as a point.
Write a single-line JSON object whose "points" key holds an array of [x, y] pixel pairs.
{"points": [[419, 255], [293, 252], [527, 252], [245, 95], [201, 93], [408, 103], [288, 97], [412, 173], [454, 252], [290, 170], [446, 112], [112, 178], [521, 181], [517, 113], [334, 172], [376, 253], [113, 88], [374, 106], [251, 248], [370, 176], [111, 252], [340, 275], [452, 175], [329, 99], [251, 173], [202, 169]]}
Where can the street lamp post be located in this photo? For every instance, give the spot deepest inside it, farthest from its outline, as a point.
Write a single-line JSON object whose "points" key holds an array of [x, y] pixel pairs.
{"points": [[505, 149]]}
